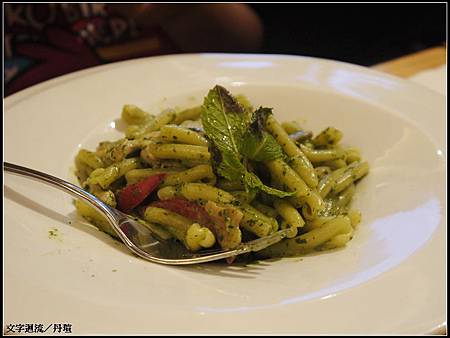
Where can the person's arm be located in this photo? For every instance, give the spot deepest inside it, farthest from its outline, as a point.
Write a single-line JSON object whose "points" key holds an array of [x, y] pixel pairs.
{"points": [[201, 27]]}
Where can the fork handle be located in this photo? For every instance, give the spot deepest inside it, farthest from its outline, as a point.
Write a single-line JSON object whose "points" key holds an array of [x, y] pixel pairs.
{"points": [[113, 216], [56, 182]]}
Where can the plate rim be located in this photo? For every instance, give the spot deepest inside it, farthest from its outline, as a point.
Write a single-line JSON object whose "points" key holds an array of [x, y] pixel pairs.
{"points": [[15, 98]]}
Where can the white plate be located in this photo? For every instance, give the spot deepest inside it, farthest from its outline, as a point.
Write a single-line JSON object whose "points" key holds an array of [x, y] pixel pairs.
{"points": [[391, 278]]}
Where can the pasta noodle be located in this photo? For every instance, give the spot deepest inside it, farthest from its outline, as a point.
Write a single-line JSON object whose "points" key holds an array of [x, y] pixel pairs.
{"points": [[178, 152], [176, 134], [212, 190], [298, 161]]}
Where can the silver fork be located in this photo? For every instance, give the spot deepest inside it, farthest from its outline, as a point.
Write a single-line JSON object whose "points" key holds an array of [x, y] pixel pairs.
{"points": [[139, 238]]}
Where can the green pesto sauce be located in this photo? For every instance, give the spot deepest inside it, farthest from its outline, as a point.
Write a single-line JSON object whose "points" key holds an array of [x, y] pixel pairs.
{"points": [[53, 233]]}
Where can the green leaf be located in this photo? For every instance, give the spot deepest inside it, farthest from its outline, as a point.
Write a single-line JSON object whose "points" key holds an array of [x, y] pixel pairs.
{"points": [[260, 147], [253, 182], [224, 122], [259, 118]]}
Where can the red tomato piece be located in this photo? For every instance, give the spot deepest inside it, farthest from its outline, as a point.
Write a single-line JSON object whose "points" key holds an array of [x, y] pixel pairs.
{"points": [[134, 194]]}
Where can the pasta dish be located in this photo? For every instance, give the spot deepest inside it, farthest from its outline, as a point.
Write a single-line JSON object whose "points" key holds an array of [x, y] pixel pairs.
{"points": [[224, 173]]}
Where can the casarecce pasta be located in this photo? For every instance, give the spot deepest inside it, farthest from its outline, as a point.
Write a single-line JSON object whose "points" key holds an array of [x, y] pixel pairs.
{"points": [[223, 173]]}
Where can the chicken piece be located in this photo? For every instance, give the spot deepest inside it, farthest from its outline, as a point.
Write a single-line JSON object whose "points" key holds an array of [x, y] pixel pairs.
{"points": [[113, 152], [225, 224]]}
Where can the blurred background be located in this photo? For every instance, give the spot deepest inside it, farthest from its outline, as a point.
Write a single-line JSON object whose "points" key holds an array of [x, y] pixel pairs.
{"points": [[364, 34], [42, 41]]}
